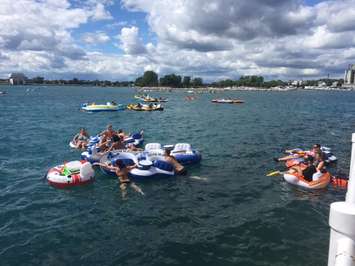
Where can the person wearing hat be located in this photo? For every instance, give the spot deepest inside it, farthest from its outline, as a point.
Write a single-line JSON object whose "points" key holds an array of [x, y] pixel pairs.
{"points": [[122, 171], [179, 168]]}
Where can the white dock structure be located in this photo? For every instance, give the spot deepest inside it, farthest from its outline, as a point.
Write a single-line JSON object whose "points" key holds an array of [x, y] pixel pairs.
{"points": [[342, 223]]}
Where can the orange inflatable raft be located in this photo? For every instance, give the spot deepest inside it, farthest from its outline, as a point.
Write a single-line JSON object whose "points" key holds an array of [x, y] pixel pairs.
{"points": [[295, 179]]}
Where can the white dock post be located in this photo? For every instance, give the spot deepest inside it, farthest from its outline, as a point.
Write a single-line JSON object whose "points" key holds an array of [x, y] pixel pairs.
{"points": [[342, 223]]}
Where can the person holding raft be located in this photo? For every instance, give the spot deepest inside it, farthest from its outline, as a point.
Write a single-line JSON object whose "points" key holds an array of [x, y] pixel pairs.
{"points": [[122, 171], [179, 168], [81, 139]]}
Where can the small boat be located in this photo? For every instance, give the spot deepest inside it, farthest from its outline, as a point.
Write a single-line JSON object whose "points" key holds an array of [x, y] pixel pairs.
{"points": [[108, 107], [230, 101], [70, 174], [145, 107], [295, 179]]}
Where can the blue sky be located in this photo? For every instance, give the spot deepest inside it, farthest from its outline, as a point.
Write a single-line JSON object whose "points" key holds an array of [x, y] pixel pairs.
{"points": [[215, 39]]}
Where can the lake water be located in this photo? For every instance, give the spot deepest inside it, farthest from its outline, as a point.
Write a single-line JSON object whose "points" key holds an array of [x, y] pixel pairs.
{"points": [[238, 216]]}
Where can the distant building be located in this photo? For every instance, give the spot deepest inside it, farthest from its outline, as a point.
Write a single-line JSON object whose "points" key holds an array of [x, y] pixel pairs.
{"points": [[17, 79], [297, 83], [322, 84], [349, 78]]}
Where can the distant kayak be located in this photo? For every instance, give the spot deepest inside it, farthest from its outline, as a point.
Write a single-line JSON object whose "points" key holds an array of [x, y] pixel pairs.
{"points": [[230, 101], [108, 107]]}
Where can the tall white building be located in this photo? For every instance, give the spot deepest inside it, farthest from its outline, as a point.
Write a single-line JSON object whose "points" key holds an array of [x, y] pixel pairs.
{"points": [[17, 79], [349, 78]]}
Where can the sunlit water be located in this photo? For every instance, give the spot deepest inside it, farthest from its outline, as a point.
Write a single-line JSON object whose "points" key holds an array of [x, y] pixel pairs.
{"points": [[238, 216]]}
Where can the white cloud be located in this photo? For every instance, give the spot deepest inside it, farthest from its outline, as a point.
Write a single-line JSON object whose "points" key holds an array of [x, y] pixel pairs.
{"points": [[95, 37], [130, 41], [100, 13], [213, 39]]}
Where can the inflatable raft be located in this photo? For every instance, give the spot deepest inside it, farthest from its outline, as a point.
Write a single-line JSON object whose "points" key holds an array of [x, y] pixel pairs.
{"points": [[92, 154], [295, 179], [108, 107], [146, 169], [70, 174], [230, 101], [145, 107], [154, 100], [182, 152], [185, 155]]}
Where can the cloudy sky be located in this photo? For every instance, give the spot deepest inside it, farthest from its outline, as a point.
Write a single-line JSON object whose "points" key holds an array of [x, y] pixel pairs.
{"points": [[213, 39]]}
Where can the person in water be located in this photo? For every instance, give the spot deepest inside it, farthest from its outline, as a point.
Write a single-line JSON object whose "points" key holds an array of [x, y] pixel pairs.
{"points": [[81, 139], [301, 154], [122, 171], [179, 168]]}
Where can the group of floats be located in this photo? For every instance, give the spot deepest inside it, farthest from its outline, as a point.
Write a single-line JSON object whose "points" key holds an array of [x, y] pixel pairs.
{"points": [[151, 161], [298, 158], [151, 104], [149, 99], [145, 107]]}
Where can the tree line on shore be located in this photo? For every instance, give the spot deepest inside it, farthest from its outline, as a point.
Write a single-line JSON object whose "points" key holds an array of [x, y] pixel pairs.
{"points": [[151, 79]]}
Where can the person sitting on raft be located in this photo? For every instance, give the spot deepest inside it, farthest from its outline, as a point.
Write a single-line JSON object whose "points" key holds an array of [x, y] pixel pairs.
{"points": [[121, 134], [81, 139], [311, 169], [106, 137], [122, 171], [299, 154], [179, 168]]}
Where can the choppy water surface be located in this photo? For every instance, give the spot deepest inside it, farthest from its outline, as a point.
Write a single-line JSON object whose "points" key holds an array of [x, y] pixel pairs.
{"points": [[237, 217]]}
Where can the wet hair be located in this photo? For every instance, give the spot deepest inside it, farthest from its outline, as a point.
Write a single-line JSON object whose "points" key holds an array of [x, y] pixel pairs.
{"points": [[120, 131], [120, 164], [309, 159], [316, 145], [116, 138]]}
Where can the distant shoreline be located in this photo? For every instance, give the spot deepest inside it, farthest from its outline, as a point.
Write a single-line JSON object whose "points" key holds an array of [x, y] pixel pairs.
{"points": [[216, 89], [198, 89]]}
